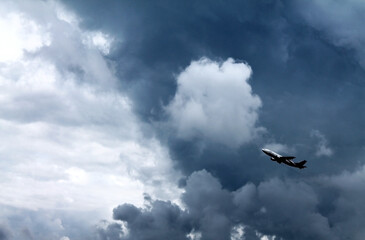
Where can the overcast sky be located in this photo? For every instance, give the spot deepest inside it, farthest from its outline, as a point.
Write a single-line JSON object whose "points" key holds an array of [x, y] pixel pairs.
{"points": [[144, 120]]}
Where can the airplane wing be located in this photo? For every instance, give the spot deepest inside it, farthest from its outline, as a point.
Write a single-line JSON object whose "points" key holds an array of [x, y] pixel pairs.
{"points": [[287, 157]]}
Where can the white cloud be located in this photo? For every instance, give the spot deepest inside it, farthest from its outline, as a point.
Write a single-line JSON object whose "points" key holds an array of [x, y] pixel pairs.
{"points": [[46, 224], [18, 34], [63, 14], [99, 40], [194, 235], [237, 232], [278, 147], [322, 148], [68, 139], [214, 101]]}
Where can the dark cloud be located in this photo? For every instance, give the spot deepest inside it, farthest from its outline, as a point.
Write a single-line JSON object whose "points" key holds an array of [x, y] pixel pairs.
{"points": [[213, 213], [304, 80], [285, 209], [308, 78], [250, 234], [161, 37], [338, 21], [112, 231], [161, 220], [4, 234]]}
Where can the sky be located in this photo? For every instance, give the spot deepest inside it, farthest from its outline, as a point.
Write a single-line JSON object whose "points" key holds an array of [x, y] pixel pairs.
{"points": [[145, 120]]}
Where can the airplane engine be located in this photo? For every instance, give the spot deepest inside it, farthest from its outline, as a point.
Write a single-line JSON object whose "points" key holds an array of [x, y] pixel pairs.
{"points": [[272, 159]]}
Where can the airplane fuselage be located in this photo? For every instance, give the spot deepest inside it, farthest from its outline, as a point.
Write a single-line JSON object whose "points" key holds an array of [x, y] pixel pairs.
{"points": [[282, 159], [271, 153]]}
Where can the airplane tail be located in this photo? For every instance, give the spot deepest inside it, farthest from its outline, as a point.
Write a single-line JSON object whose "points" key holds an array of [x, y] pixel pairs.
{"points": [[301, 164]]}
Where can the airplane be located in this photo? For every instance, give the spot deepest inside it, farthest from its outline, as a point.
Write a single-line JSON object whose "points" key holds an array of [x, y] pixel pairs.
{"points": [[284, 159]]}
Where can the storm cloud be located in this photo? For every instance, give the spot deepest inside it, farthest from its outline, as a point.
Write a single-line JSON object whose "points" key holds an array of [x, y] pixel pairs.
{"points": [[101, 102], [302, 76], [280, 208], [3, 233]]}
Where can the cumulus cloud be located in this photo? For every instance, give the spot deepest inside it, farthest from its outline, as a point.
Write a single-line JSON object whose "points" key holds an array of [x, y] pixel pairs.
{"points": [[161, 220], [322, 148], [300, 211], [321, 208], [272, 209], [108, 231], [214, 101]]}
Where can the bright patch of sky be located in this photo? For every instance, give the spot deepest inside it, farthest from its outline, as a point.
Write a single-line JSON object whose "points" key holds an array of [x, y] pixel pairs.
{"points": [[69, 140], [20, 34]]}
